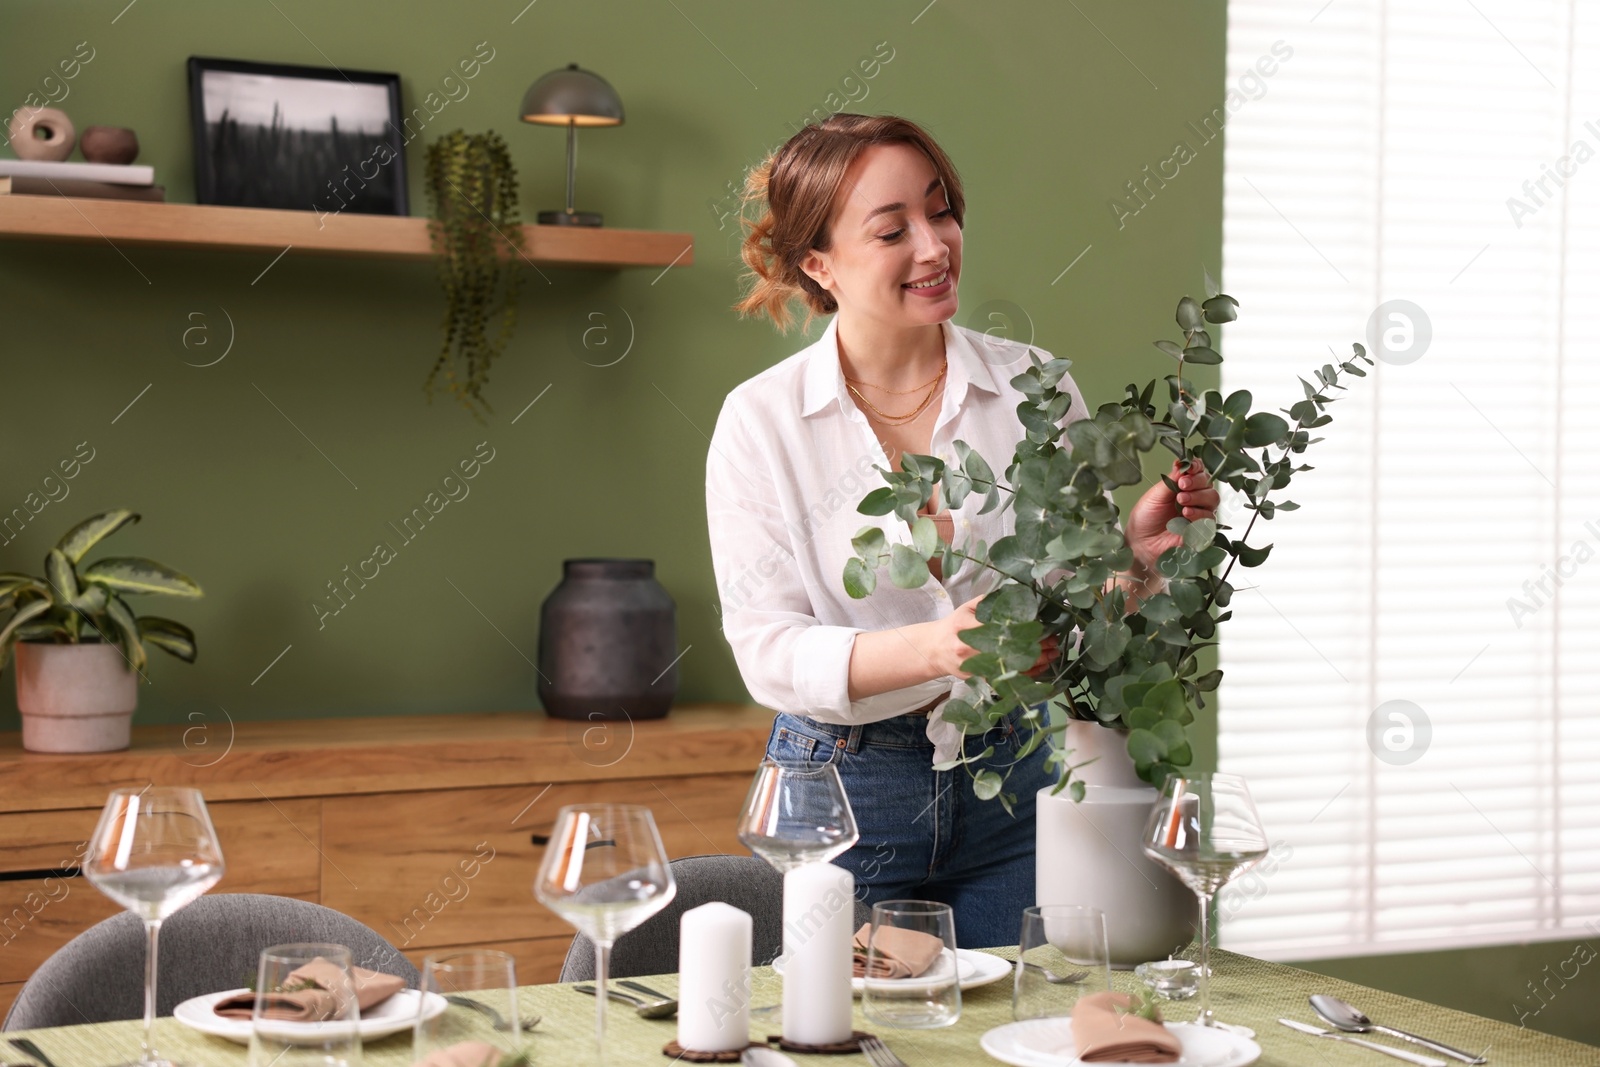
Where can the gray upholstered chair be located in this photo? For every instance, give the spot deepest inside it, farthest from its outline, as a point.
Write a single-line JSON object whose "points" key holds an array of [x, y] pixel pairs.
{"points": [[745, 882], [211, 945]]}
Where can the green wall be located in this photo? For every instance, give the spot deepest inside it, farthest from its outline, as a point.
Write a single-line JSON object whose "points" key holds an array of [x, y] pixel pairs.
{"points": [[1044, 117]]}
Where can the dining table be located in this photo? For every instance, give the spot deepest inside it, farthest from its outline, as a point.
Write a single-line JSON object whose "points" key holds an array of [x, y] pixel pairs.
{"points": [[1244, 990]]}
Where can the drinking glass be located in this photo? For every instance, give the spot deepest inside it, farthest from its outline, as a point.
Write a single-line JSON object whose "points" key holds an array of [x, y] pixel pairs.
{"points": [[483, 976], [334, 1040], [153, 851], [1062, 957], [1205, 829], [604, 872], [796, 813], [923, 1002]]}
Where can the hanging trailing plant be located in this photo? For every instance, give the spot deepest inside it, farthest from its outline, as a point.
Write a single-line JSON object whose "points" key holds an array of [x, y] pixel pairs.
{"points": [[477, 241]]}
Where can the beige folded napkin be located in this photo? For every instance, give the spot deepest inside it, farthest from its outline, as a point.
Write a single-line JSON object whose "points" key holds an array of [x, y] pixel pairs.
{"points": [[900, 953], [462, 1054], [1103, 1031], [319, 1002]]}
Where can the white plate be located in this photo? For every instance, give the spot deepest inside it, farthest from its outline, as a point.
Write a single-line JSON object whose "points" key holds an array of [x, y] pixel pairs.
{"points": [[397, 1013], [973, 968], [1048, 1043]]}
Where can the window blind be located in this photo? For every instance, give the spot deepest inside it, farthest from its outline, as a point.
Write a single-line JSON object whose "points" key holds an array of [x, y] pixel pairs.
{"points": [[1413, 678]]}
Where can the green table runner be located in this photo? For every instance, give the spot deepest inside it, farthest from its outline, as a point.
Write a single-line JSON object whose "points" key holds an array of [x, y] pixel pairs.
{"points": [[1243, 990]]}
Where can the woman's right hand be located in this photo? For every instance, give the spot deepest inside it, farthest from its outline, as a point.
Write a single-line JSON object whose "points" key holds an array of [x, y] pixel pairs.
{"points": [[947, 652]]}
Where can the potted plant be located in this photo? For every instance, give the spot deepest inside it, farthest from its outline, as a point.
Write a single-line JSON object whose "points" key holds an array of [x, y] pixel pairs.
{"points": [[1126, 692], [80, 649], [477, 240]]}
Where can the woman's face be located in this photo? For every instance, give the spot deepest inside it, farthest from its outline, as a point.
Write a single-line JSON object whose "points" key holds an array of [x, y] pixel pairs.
{"points": [[891, 227]]}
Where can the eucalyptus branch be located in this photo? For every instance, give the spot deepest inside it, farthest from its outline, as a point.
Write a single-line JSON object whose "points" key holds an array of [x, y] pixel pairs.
{"points": [[1136, 669]]}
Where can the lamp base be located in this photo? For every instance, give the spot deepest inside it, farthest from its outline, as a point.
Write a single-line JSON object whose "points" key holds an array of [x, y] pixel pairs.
{"points": [[569, 218]]}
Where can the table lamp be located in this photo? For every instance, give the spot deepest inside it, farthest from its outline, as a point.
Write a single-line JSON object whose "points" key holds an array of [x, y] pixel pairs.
{"points": [[571, 97]]}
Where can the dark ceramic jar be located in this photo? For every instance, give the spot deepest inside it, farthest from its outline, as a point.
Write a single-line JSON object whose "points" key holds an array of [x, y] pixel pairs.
{"points": [[608, 642]]}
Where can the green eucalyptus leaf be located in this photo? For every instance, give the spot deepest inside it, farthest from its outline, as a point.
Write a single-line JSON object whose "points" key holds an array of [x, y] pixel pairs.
{"points": [[869, 543], [1190, 315], [878, 502], [925, 537], [859, 579], [907, 569], [1264, 428], [1221, 308], [1145, 747], [1202, 356], [987, 784], [1253, 557]]}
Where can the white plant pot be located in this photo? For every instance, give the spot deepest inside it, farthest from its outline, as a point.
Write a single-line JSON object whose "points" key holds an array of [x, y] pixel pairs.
{"points": [[1089, 852], [75, 698]]}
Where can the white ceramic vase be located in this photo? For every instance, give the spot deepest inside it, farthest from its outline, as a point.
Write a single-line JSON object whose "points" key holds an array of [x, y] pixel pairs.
{"points": [[75, 698], [1089, 852]]}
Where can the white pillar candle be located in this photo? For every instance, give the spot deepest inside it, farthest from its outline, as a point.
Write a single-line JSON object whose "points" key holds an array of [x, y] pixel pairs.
{"points": [[714, 979], [818, 922]]}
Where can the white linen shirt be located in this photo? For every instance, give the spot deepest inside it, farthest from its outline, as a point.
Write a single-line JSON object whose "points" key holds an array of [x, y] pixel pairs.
{"points": [[791, 457]]}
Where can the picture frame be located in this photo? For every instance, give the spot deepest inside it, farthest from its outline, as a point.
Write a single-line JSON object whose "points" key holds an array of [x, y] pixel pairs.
{"points": [[278, 135]]}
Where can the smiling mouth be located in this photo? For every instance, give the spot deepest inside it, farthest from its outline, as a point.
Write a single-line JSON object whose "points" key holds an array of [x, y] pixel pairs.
{"points": [[930, 283]]}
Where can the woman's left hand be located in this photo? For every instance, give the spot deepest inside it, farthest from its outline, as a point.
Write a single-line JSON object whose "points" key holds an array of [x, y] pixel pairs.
{"points": [[1148, 535]]}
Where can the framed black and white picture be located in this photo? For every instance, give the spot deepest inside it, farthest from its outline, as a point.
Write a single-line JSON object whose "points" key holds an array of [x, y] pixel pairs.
{"points": [[303, 138]]}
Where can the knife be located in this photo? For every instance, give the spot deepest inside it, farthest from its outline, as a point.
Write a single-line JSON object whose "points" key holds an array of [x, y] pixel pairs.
{"points": [[1397, 1053]]}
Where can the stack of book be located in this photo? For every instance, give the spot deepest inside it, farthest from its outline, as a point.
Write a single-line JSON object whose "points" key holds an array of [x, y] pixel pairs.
{"points": [[104, 181]]}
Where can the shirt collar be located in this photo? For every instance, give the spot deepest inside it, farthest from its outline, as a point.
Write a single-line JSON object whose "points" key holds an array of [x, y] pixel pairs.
{"points": [[824, 378]]}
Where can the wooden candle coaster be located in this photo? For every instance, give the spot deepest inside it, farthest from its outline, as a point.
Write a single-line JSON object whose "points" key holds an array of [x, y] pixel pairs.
{"points": [[678, 1052], [853, 1044]]}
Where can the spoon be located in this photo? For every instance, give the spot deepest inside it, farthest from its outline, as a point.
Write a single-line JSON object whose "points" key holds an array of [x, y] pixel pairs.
{"points": [[645, 1009], [1346, 1017]]}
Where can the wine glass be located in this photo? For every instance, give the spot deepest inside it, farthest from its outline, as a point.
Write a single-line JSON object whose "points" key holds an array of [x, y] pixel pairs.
{"points": [[153, 851], [1204, 828], [796, 813], [604, 872]]}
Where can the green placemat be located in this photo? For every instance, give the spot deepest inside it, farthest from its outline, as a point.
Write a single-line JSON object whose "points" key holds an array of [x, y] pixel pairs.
{"points": [[1244, 990]]}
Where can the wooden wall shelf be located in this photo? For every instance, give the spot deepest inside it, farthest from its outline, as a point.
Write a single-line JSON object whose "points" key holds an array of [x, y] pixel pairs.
{"points": [[129, 222]]}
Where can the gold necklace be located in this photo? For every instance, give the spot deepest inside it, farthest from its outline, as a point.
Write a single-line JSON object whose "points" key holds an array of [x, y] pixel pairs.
{"points": [[902, 392], [908, 416]]}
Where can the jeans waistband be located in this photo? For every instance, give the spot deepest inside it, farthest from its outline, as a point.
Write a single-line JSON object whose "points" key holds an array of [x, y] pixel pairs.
{"points": [[898, 731]]}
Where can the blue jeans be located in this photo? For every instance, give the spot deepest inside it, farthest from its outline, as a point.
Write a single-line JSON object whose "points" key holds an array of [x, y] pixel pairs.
{"points": [[924, 834]]}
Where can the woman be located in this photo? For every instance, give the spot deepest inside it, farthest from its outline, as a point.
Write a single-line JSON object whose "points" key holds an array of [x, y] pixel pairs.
{"points": [[863, 218]]}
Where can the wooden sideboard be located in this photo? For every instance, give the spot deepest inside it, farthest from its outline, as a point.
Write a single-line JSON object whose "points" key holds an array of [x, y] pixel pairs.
{"points": [[426, 828]]}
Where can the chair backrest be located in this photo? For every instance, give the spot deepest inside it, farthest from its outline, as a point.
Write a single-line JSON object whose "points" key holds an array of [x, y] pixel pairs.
{"points": [[211, 945], [745, 882]]}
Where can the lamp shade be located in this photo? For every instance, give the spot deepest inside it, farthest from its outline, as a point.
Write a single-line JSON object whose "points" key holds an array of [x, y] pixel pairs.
{"points": [[572, 96]]}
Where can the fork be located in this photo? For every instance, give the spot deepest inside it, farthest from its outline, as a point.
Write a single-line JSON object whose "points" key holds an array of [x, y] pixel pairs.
{"points": [[879, 1054], [500, 1022], [1058, 979]]}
